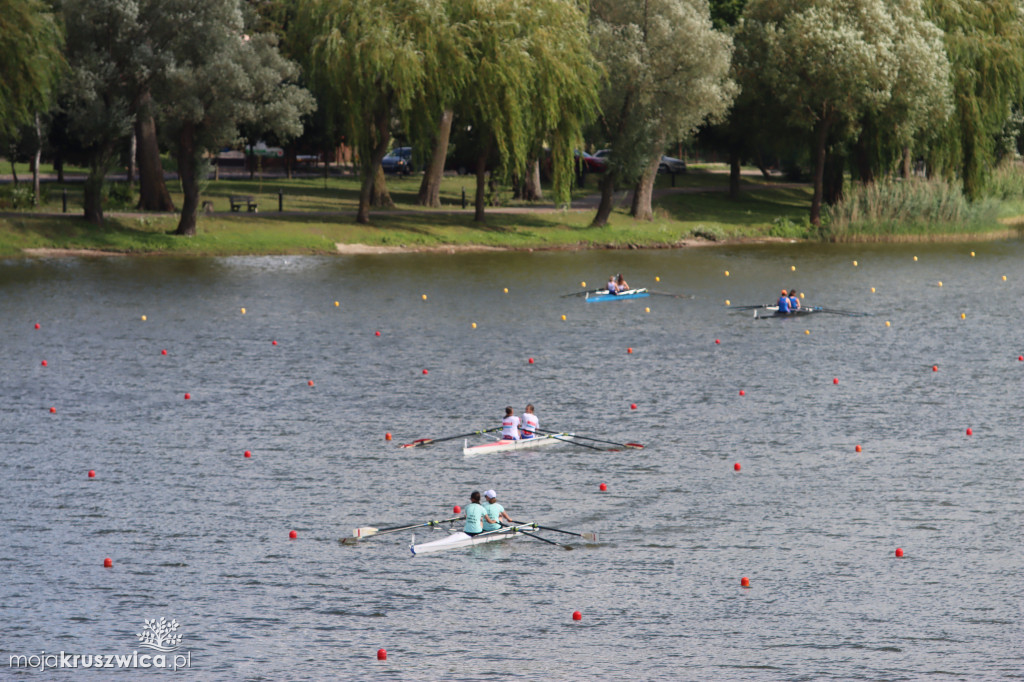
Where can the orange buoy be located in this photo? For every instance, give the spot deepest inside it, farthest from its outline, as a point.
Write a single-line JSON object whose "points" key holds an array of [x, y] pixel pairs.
{"points": [[108, 563], [53, 410], [387, 436], [576, 615], [628, 351], [744, 581], [309, 383], [935, 368], [857, 449]]}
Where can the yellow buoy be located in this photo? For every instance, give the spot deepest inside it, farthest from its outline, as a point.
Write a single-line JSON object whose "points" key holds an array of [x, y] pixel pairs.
{"points": [[728, 302], [424, 297], [474, 325], [647, 310], [583, 284], [143, 318], [854, 263], [793, 268], [563, 318], [887, 323], [336, 304], [940, 284], [657, 279], [1004, 278], [726, 273], [963, 316], [801, 294], [872, 290], [506, 290], [807, 331], [243, 311], [972, 254]]}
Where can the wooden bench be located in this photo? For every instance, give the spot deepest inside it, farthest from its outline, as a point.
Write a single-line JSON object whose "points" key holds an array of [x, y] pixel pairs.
{"points": [[237, 202]]}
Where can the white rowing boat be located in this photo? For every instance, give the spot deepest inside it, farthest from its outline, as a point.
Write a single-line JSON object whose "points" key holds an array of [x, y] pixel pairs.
{"points": [[508, 445], [460, 539]]}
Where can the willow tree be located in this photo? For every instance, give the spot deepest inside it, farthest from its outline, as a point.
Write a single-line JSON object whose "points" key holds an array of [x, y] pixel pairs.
{"points": [[984, 40], [371, 59], [668, 72], [822, 62], [532, 78], [222, 75], [30, 61]]}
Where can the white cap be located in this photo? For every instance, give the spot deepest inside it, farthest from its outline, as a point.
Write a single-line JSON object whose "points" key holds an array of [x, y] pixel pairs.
{"points": [[491, 494]]}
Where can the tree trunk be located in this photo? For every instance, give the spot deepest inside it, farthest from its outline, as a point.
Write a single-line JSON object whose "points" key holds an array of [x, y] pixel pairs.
{"points": [[93, 188], [734, 173], [481, 179], [379, 195], [132, 150], [643, 193], [905, 166], [187, 157], [604, 209], [153, 193], [821, 129], [35, 162], [14, 171], [430, 188], [380, 137], [863, 158], [835, 164], [532, 190]]}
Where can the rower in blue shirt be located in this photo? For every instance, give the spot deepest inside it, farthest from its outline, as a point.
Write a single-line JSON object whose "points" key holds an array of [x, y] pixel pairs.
{"points": [[474, 515], [784, 305], [494, 513], [794, 301]]}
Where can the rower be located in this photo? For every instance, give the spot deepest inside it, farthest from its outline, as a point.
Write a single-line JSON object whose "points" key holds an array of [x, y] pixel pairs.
{"points": [[621, 284], [784, 303], [613, 288], [474, 515], [530, 424], [510, 425], [494, 512], [794, 301]]}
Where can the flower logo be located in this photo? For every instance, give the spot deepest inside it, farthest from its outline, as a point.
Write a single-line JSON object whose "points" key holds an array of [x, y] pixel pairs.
{"points": [[160, 635]]}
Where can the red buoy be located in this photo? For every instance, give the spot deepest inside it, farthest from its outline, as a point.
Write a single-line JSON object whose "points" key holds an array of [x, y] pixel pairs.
{"points": [[92, 473], [163, 352], [742, 392], [899, 552], [248, 454], [857, 449], [387, 436], [530, 361], [717, 341], [604, 487], [576, 615], [835, 380], [273, 343], [37, 325], [43, 363], [632, 406], [293, 535], [736, 466], [426, 372], [935, 368], [382, 654], [53, 410], [456, 509], [108, 563], [970, 432], [629, 350], [378, 334], [1020, 358], [744, 581], [188, 396]]}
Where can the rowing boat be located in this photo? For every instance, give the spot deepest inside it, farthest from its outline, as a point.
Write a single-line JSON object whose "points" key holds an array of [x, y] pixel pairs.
{"points": [[460, 539], [603, 295], [509, 445], [773, 311]]}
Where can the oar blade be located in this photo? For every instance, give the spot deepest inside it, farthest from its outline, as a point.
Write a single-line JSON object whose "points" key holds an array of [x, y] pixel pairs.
{"points": [[635, 446], [589, 537]]}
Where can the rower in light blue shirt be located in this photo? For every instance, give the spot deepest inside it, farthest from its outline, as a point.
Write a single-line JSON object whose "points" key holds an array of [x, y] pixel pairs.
{"points": [[474, 515], [494, 512]]}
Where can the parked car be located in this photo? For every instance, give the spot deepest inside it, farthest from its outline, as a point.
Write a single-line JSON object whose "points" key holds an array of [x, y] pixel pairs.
{"points": [[671, 165], [398, 160], [591, 162]]}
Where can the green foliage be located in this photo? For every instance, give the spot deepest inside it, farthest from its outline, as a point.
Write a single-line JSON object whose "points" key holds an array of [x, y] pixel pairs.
{"points": [[30, 61], [1006, 181], [118, 196], [893, 208], [17, 197]]}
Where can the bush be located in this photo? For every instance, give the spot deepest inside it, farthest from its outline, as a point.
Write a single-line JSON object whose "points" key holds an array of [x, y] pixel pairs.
{"points": [[892, 208], [118, 195], [17, 197], [787, 229], [1006, 181]]}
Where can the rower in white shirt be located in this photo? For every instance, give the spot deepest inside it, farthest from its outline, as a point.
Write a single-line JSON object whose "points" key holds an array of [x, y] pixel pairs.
{"points": [[530, 423], [510, 425]]}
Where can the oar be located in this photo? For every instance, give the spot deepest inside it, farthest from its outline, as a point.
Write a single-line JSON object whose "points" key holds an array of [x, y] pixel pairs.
{"points": [[748, 307], [369, 531], [556, 435], [665, 293], [427, 441], [577, 293], [637, 446], [850, 313], [590, 537], [537, 537]]}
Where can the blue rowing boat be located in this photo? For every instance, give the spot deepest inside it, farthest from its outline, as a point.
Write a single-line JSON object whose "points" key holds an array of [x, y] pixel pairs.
{"points": [[603, 295]]}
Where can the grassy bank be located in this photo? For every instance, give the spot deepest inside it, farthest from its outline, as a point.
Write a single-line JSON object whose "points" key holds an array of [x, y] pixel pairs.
{"points": [[319, 213]]}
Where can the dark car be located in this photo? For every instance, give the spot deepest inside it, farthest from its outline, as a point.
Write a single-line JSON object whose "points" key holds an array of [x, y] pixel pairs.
{"points": [[591, 163], [398, 160]]}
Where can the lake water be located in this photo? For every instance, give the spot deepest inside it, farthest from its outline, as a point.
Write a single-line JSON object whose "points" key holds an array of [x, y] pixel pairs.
{"points": [[199, 533]]}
